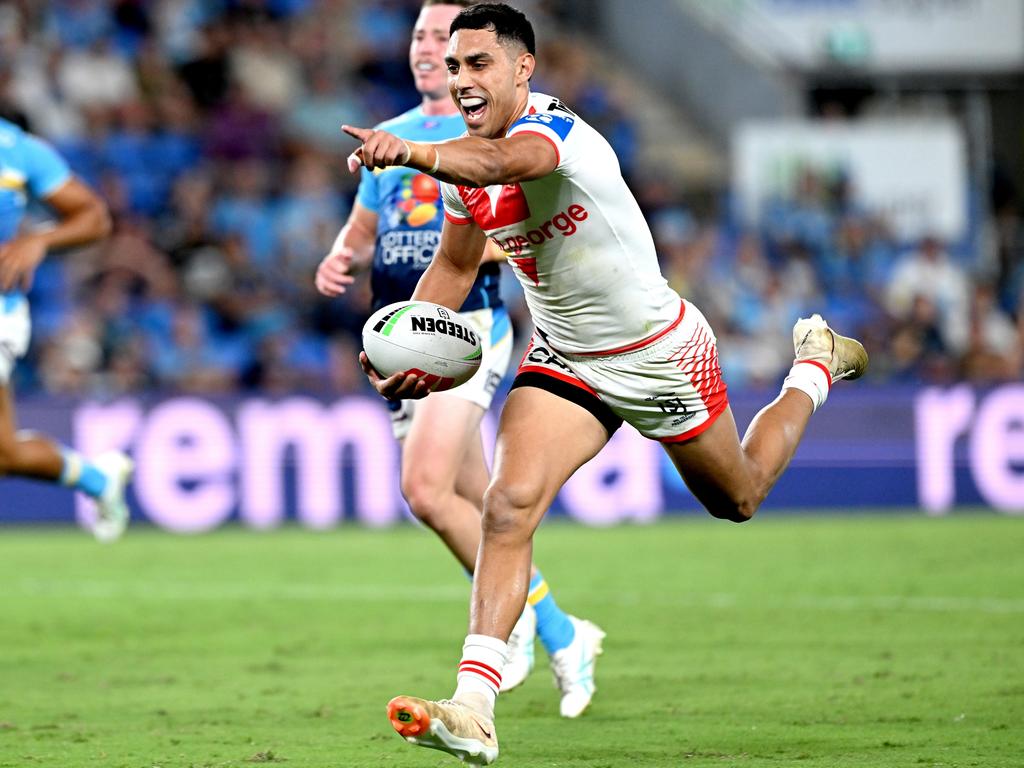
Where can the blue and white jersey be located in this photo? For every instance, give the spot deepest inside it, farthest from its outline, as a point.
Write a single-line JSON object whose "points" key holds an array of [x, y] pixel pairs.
{"points": [[28, 167], [409, 218]]}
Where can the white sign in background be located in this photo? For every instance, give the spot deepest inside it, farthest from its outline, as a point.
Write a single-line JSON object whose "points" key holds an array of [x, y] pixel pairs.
{"points": [[898, 35], [912, 172]]}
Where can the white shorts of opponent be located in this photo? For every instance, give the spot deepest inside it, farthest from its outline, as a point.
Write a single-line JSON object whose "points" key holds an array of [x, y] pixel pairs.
{"points": [[495, 331], [668, 386], [15, 332]]}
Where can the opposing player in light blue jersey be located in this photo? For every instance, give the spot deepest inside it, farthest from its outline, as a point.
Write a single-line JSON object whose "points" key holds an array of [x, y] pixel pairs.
{"points": [[29, 167], [394, 228]]}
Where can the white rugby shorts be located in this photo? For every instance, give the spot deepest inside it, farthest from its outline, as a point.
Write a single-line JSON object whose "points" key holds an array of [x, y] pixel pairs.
{"points": [[668, 386], [495, 331], [15, 332]]}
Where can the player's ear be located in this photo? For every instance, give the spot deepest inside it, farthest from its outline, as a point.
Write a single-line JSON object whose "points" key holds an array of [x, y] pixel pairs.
{"points": [[525, 65]]}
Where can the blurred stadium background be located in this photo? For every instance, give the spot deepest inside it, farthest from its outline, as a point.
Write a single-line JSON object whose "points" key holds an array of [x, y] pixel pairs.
{"points": [[860, 158]]}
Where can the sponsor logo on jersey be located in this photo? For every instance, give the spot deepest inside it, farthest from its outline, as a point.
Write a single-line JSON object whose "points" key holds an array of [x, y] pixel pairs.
{"points": [[413, 248], [564, 224]]}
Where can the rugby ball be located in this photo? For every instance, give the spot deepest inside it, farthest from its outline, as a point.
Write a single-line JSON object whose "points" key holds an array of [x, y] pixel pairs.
{"points": [[424, 339]]}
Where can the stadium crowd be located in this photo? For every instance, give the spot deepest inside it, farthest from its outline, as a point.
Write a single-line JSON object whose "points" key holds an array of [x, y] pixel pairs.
{"points": [[212, 129]]}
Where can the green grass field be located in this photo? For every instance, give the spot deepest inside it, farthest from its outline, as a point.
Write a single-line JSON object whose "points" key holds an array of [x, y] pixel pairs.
{"points": [[842, 641]]}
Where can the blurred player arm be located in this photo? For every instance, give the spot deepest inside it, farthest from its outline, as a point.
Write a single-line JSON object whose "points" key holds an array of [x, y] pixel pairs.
{"points": [[351, 253], [468, 161], [82, 217]]}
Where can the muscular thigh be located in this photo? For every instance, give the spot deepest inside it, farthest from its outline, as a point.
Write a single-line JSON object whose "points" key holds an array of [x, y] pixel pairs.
{"points": [[542, 440]]}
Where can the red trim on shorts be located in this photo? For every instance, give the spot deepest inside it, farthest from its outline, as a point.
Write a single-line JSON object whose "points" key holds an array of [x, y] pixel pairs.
{"points": [[549, 140], [560, 376], [692, 433], [643, 342], [828, 376], [457, 221]]}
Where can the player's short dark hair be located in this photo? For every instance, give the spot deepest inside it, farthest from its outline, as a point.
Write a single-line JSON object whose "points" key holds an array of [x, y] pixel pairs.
{"points": [[508, 24]]}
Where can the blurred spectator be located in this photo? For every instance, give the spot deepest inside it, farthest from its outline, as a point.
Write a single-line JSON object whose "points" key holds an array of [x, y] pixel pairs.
{"points": [[930, 273], [212, 127]]}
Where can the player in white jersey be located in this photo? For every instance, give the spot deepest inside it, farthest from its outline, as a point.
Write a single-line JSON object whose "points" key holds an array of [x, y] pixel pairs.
{"points": [[444, 472], [613, 341]]}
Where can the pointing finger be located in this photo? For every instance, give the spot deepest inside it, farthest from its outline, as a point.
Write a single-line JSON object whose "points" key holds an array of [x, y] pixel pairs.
{"points": [[361, 134]]}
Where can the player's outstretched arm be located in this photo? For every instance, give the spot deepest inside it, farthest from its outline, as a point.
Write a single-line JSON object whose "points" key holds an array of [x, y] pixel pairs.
{"points": [[468, 161], [83, 218], [351, 252]]}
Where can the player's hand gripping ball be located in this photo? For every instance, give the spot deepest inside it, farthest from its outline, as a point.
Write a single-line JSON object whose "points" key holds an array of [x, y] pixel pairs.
{"points": [[423, 339]]}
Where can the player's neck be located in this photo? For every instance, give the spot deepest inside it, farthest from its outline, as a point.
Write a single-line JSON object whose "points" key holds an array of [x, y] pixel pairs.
{"points": [[438, 107]]}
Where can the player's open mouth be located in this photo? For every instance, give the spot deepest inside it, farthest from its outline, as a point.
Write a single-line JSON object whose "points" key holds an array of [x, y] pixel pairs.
{"points": [[473, 107], [425, 66]]}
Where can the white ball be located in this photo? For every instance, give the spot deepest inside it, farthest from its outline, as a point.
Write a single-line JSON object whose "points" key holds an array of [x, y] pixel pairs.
{"points": [[423, 338]]}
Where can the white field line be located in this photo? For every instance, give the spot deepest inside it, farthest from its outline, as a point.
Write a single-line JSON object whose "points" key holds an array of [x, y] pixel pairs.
{"points": [[142, 590]]}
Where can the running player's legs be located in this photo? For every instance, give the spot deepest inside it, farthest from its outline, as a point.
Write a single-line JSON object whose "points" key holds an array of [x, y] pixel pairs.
{"points": [[438, 456], [542, 440], [29, 454], [731, 478], [21, 453], [25, 454]]}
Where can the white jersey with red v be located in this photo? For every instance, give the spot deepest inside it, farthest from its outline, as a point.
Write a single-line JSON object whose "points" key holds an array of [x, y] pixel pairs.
{"points": [[577, 239]]}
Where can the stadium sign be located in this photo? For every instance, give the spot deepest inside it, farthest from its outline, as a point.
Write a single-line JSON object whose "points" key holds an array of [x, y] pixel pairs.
{"points": [[260, 462]]}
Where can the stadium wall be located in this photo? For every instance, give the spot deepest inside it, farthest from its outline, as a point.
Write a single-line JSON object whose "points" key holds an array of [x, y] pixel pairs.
{"points": [[203, 463]]}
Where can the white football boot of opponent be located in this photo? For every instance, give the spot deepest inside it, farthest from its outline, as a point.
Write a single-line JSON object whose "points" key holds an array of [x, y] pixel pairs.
{"points": [[520, 650], [112, 511], [814, 341], [449, 726], [573, 667]]}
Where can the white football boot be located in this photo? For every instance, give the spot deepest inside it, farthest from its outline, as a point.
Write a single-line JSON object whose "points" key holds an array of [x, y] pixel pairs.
{"points": [[449, 726], [520, 650], [573, 667], [813, 340], [112, 511]]}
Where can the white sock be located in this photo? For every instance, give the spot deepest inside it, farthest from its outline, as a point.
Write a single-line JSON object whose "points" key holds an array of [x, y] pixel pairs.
{"points": [[811, 378], [483, 658]]}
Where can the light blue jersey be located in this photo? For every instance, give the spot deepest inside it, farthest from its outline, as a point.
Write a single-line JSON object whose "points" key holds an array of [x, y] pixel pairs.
{"points": [[28, 167], [410, 215]]}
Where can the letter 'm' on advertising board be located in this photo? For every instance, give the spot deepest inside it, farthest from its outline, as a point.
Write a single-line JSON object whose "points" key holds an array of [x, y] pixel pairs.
{"points": [[325, 440], [185, 462]]}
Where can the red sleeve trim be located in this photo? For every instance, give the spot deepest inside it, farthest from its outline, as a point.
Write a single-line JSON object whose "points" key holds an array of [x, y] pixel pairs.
{"points": [[457, 220]]}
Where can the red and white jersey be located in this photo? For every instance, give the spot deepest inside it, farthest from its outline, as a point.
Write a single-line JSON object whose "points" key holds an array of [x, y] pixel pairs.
{"points": [[576, 239]]}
